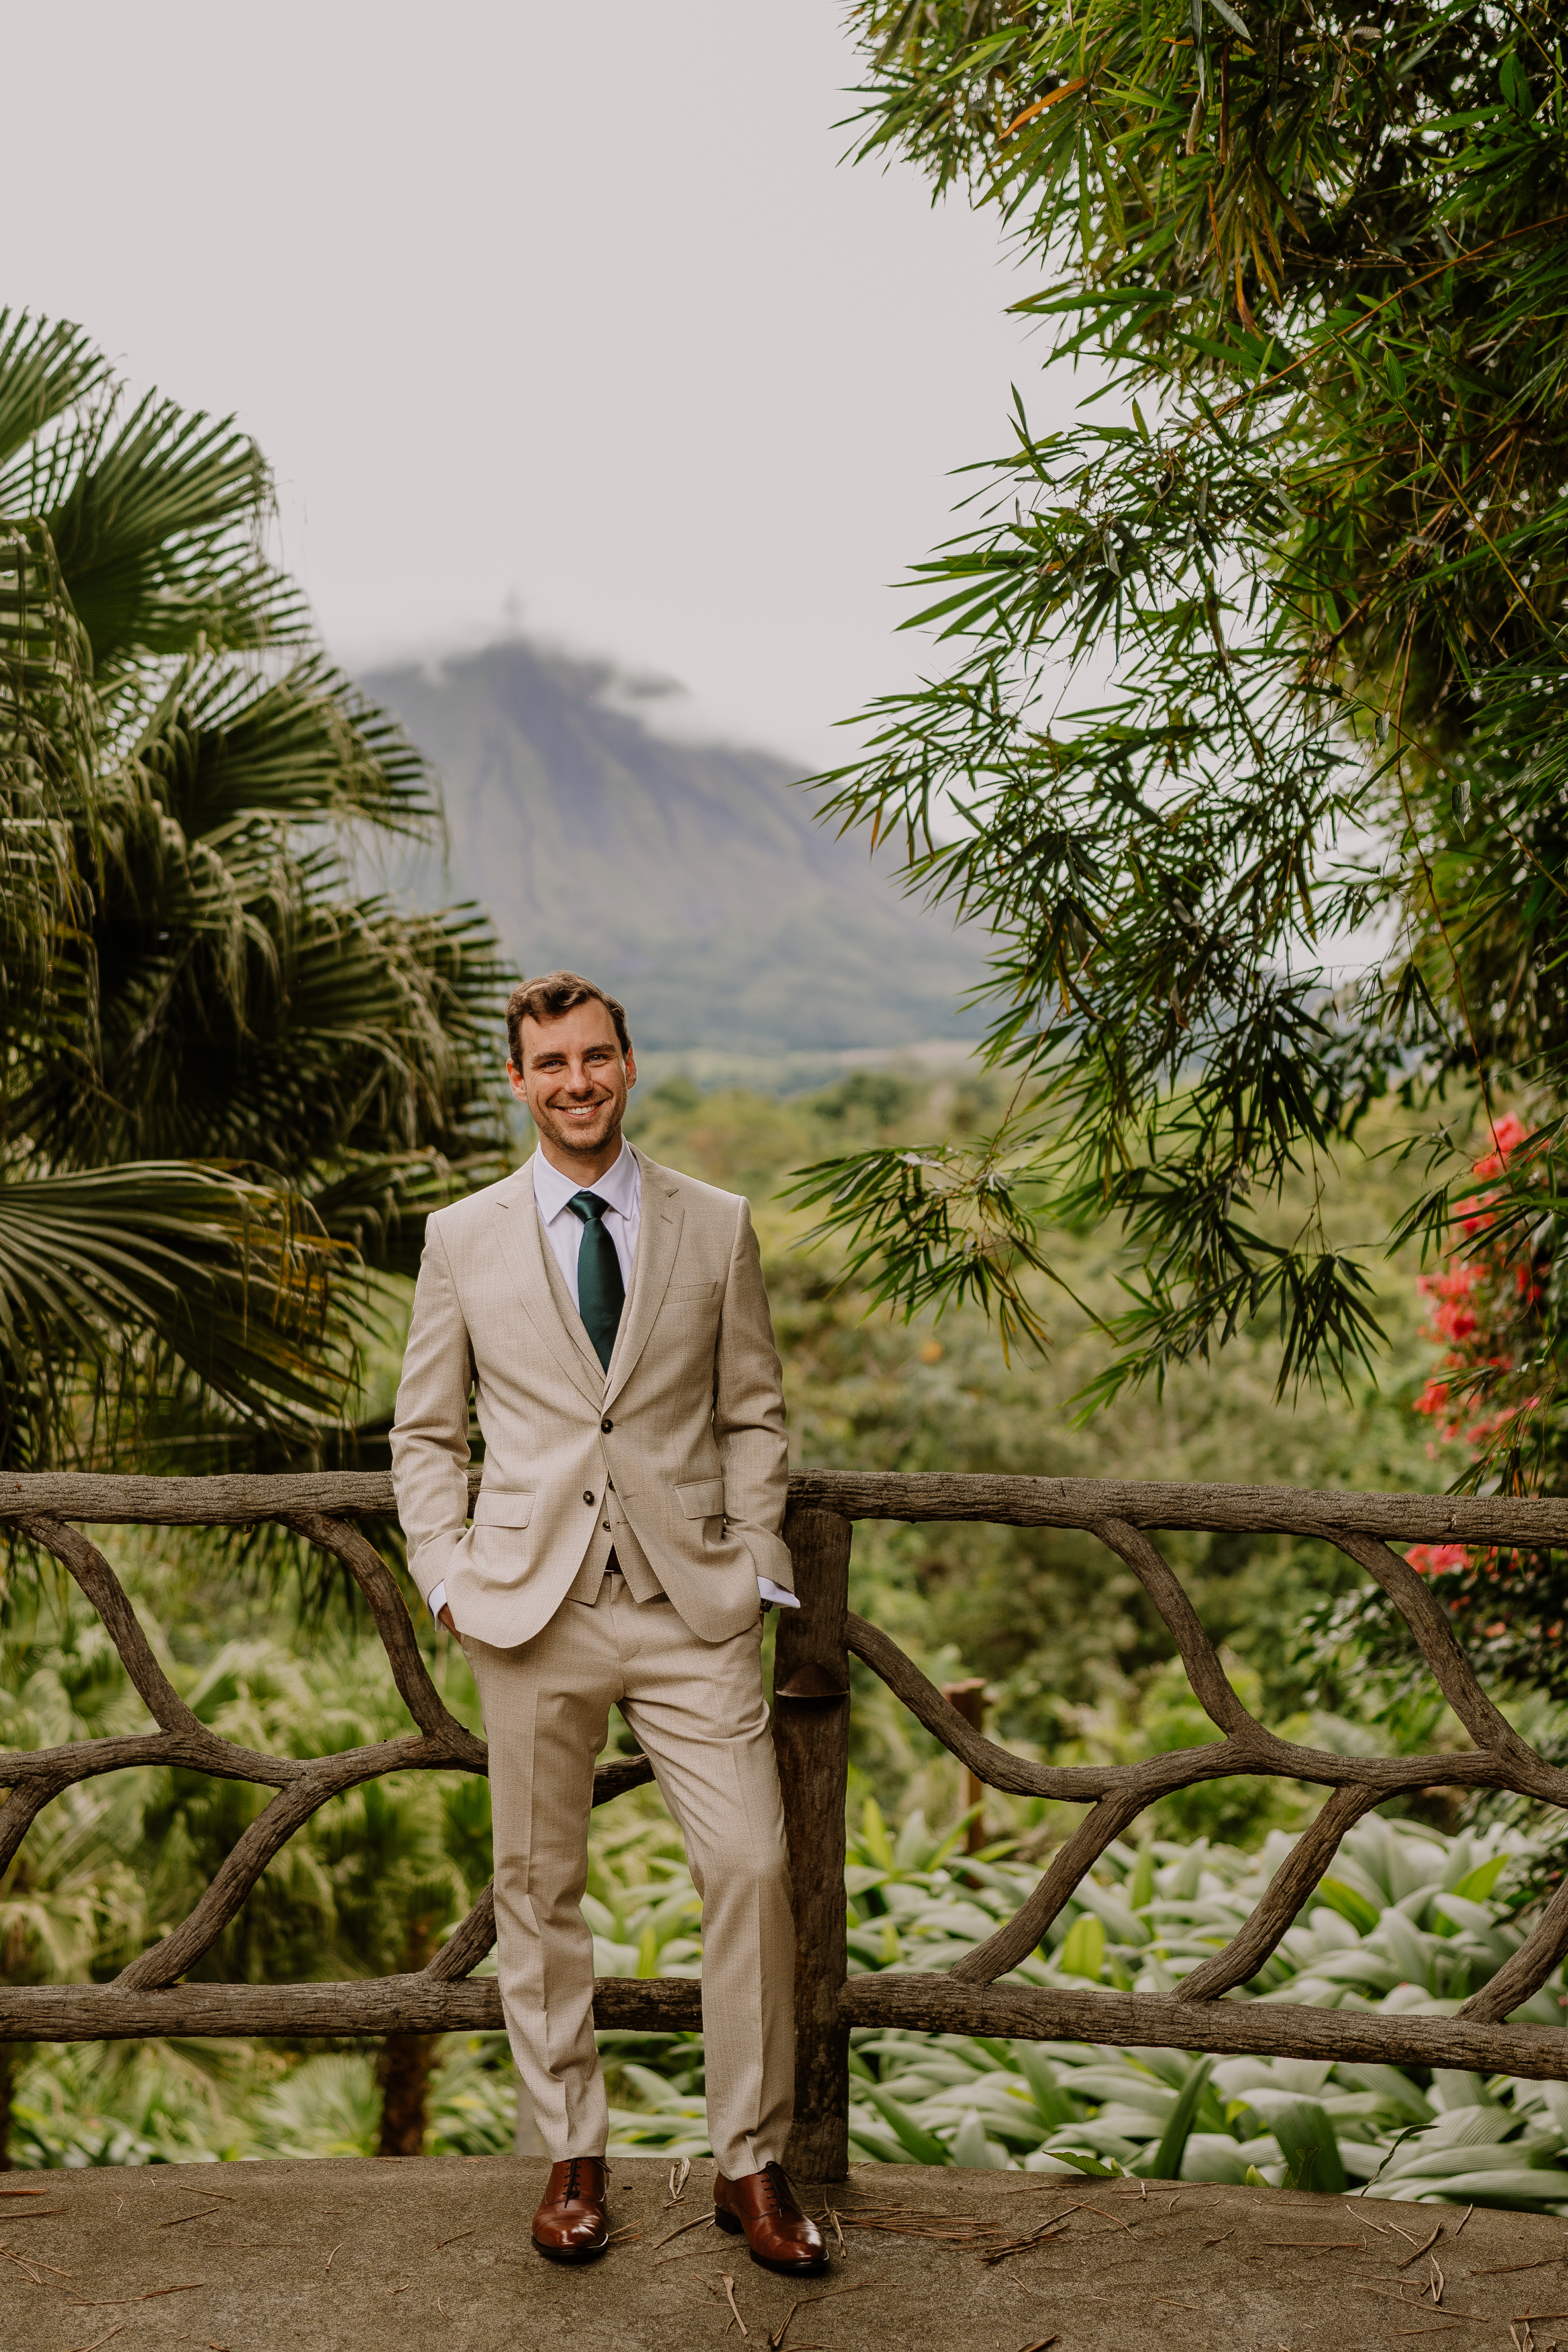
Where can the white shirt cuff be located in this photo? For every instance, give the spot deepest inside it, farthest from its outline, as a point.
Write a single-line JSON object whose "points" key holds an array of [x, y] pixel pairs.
{"points": [[438, 1598]]}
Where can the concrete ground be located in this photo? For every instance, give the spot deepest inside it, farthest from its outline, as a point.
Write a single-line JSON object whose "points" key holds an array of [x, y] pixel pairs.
{"points": [[355, 2257]]}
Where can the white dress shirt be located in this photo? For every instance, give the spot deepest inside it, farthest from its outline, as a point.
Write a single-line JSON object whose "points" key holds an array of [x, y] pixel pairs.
{"points": [[620, 1187]]}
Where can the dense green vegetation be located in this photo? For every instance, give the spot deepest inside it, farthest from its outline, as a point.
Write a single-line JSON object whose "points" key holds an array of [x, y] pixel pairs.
{"points": [[231, 1073], [1263, 651], [1076, 1664], [1057, 1628], [1316, 573]]}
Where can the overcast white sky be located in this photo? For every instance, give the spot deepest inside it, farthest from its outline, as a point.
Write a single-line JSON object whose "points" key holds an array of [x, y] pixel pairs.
{"points": [[565, 311]]}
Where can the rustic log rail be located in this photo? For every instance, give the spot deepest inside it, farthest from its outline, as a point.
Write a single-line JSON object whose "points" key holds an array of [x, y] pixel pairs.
{"points": [[811, 1730]]}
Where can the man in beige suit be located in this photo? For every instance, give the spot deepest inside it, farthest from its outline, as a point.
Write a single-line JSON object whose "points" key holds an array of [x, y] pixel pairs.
{"points": [[609, 1318]]}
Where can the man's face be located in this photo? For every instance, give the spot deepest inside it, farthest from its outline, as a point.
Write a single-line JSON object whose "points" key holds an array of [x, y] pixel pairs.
{"points": [[575, 1081]]}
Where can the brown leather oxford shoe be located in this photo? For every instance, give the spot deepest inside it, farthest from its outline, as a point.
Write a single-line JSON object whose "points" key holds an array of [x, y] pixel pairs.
{"points": [[763, 2205], [571, 2225]]}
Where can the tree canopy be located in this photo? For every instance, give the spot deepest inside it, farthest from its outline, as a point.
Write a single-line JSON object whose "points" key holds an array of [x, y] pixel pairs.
{"points": [[1315, 534], [231, 1073]]}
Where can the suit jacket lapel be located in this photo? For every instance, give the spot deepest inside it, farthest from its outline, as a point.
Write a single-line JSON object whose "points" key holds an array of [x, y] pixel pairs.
{"points": [[524, 1246], [658, 1239]]}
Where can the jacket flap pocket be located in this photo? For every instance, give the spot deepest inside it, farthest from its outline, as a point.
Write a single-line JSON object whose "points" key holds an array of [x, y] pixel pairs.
{"points": [[703, 1498], [692, 1291], [501, 1506]]}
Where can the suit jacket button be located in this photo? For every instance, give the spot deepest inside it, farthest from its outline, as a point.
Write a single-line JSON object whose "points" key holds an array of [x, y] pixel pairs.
{"points": [[606, 1425], [587, 1496]]}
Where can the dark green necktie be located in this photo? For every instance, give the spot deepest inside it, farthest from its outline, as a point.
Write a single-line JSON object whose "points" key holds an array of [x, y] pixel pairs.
{"points": [[601, 1293]]}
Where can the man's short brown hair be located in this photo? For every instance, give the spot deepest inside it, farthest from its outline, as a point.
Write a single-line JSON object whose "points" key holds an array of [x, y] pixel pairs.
{"points": [[548, 998]]}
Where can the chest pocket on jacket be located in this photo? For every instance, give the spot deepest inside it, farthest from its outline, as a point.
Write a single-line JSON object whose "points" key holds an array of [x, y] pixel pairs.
{"points": [[687, 1294]]}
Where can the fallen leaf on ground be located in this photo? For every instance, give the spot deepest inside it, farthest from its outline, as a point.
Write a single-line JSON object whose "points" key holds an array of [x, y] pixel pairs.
{"points": [[680, 2229], [727, 2278]]}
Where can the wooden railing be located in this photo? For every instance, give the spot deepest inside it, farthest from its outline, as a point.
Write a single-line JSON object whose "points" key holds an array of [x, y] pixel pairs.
{"points": [[811, 1732]]}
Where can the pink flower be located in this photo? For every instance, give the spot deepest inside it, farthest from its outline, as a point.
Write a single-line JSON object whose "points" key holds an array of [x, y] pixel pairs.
{"points": [[1456, 1283], [1507, 1136], [1435, 1560]]}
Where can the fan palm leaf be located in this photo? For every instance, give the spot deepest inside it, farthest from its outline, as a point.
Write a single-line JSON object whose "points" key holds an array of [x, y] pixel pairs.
{"points": [[205, 1022], [46, 367], [308, 747], [224, 1274], [156, 517]]}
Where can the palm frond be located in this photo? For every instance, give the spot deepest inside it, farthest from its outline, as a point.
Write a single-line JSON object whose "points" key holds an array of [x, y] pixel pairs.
{"points": [[223, 747], [156, 517], [46, 365], [47, 798], [204, 1020], [228, 1276]]}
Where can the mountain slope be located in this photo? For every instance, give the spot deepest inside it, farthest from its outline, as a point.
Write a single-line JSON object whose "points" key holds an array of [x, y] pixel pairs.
{"points": [[688, 877]]}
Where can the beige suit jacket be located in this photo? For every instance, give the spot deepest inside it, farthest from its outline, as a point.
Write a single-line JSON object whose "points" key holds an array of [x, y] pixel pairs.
{"points": [[687, 1422]]}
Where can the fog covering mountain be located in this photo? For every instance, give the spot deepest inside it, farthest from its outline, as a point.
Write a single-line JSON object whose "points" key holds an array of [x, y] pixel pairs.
{"points": [[687, 877]]}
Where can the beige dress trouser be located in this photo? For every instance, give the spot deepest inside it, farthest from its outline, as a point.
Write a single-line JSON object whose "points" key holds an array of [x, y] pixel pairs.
{"points": [[696, 1709]]}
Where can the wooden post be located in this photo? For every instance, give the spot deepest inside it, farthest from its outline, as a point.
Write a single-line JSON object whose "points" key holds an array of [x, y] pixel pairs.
{"points": [[969, 1698], [811, 1738]]}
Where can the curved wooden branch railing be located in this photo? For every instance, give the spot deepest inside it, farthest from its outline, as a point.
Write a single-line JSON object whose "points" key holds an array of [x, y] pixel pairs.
{"points": [[427, 2002], [811, 1721]]}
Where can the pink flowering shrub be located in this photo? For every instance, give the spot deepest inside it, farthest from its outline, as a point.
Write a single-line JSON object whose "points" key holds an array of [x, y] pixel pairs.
{"points": [[1485, 1306], [1487, 1319]]}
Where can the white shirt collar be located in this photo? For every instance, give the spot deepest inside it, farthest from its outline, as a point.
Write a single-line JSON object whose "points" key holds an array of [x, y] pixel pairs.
{"points": [[620, 1186]]}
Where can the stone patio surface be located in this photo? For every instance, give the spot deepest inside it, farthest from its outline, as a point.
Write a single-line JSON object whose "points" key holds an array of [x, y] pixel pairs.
{"points": [[356, 2257]]}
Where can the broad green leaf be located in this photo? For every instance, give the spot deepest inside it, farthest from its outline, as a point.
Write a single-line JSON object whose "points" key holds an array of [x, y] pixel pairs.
{"points": [[1165, 2164], [1478, 1883], [1082, 1953], [1312, 2149], [922, 2144], [1348, 1902]]}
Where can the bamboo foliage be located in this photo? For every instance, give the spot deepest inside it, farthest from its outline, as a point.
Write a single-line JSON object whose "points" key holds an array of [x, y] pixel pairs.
{"points": [[1321, 553]]}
